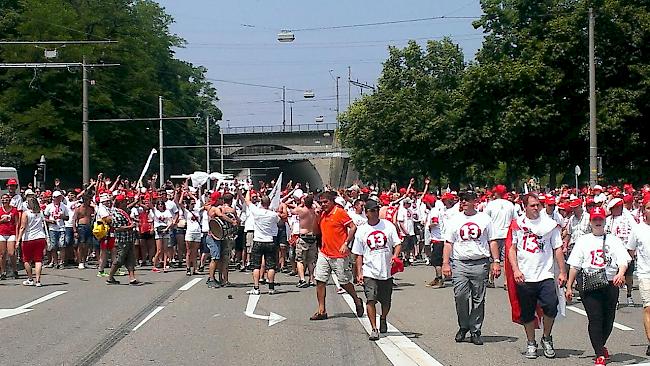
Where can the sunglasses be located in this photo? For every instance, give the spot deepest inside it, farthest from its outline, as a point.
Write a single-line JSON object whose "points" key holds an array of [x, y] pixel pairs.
{"points": [[372, 209], [323, 202]]}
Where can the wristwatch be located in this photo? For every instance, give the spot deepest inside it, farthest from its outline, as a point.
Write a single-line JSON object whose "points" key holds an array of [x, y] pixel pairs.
{"points": [[497, 261]]}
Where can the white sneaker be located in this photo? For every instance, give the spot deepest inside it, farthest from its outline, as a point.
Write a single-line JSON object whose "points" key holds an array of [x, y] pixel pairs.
{"points": [[340, 291], [253, 292], [38, 284], [82, 266], [272, 292], [28, 282], [630, 300]]}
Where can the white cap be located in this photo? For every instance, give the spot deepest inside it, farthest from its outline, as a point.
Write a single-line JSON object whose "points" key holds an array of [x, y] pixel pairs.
{"points": [[599, 198], [353, 187], [57, 194], [28, 192], [598, 186], [339, 200], [143, 190], [613, 202], [298, 193], [407, 200], [104, 197]]}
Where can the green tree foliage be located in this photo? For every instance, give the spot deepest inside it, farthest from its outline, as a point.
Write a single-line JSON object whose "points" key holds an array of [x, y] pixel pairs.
{"points": [[523, 104], [40, 111]]}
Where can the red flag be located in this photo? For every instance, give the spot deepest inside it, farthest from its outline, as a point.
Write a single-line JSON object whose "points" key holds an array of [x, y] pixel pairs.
{"points": [[512, 285]]}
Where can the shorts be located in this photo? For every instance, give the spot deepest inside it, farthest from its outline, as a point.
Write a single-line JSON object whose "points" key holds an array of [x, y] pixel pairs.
{"points": [[281, 238], [214, 246], [326, 265], [306, 253], [378, 290], [249, 241], [145, 236], [644, 290], [85, 233], [269, 250], [69, 238], [437, 248], [107, 243], [55, 240], [630, 268], [204, 244], [172, 238], [161, 235], [408, 243], [240, 241], [227, 246], [180, 231], [532, 293], [7, 237], [32, 250], [125, 256], [195, 237]]}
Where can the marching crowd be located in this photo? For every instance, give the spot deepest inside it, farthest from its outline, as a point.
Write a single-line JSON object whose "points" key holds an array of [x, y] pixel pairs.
{"points": [[555, 246]]}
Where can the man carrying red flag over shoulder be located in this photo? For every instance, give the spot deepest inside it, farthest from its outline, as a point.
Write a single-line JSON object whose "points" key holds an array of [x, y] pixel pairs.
{"points": [[532, 242]]}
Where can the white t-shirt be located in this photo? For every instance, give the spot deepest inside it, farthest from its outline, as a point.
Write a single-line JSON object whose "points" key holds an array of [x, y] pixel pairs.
{"points": [[193, 219], [171, 206], [72, 206], [434, 223], [205, 221], [578, 227], [501, 212], [249, 224], [35, 228], [639, 240], [536, 242], [555, 215], [160, 218], [55, 212], [470, 236], [17, 202], [358, 219], [266, 223], [375, 244], [588, 254], [102, 211], [405, 215], [621, 226]]}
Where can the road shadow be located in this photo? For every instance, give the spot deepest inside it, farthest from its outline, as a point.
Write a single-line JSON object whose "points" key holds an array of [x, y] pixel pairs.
{"points": [[566, 353], [626, 357], [343, 315], [54, 284], [498, 339], [407, 334]]}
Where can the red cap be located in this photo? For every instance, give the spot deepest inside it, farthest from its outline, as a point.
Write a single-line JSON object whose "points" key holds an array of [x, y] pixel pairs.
{"points": [[549, 200], [628, 198], [130, 194], [402, 190], [589, 201], [429, 198], [646, 199], [500, 189], [384, 198], [597, 213], [398, 266], [447, 196], [120, 197], [215, 196], [77, 190], [12, 182], [575, 203], [365, 190]]}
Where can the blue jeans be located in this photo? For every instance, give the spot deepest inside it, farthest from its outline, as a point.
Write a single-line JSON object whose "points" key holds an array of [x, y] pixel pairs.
{"points": [[69, 238], [56, 240], [215, 247]]}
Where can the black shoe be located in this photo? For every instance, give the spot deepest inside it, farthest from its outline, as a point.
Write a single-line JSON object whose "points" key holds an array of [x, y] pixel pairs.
{"points": [[112, 281], [477, 339], [460, 335], [16, 275], [302, 284], [188, 272], [383, 325], [647, 351]]}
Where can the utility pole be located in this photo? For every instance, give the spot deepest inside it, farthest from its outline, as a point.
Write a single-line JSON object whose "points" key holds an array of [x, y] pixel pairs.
{"points": [[85, 154], [161, 173], [207, 144], [593, 134], [284, 112], [349, 86], [337, 99], [221, 146]]}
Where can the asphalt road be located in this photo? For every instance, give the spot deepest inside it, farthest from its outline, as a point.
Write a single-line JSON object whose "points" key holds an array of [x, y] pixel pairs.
{"points": [[93, 324]]}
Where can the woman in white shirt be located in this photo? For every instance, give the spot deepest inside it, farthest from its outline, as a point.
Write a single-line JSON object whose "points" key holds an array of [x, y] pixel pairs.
{"points": [[162, 221], [31, 237], [593, 252], [193, 234]]}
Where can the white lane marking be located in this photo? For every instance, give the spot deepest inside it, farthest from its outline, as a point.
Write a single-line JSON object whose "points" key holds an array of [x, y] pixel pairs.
{"points": [[42, 299], [399, 349], [5, 313], [273, 318], [640, 364], [189, 285], [582, 312], [151, 315]]}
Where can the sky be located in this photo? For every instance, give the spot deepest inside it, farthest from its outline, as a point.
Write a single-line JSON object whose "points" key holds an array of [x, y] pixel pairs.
{"points": [[237, 42]]}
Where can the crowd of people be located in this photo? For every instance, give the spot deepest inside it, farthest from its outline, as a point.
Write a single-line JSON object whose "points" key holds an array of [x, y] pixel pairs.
{"points": [[557, 245]]}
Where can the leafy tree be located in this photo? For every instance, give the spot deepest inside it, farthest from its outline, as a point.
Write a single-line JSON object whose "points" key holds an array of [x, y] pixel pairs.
{"points": [[41, 110]]}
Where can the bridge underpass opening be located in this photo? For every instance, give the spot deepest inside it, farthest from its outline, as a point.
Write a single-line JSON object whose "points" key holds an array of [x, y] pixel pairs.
{"points": [[243, 163]]}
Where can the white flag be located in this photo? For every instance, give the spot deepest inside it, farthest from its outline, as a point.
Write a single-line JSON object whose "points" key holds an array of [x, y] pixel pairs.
{"points": [[275, 194], [146, 166]]}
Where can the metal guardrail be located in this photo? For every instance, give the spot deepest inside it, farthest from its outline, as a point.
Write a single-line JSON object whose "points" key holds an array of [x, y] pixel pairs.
{"points": [[309, 127]]}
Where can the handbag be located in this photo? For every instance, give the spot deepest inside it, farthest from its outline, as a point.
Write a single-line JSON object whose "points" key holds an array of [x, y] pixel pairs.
{"points": [[593, 280]]}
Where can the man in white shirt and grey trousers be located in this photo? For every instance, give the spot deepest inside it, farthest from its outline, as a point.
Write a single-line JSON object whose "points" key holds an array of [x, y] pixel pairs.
{"points": [[470, 244]]}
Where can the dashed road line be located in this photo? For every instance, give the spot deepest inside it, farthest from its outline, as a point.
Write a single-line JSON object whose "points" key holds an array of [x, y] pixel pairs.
{"points": [[151, 315], [189, 285], [582, 312], [399, 349]]}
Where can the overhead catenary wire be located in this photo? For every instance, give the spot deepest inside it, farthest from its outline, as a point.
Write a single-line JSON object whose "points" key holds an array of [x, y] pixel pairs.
{"points": [[372, 24]]}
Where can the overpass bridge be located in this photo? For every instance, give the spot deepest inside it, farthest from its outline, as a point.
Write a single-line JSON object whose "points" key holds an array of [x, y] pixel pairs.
{"points": [[305, 153]]}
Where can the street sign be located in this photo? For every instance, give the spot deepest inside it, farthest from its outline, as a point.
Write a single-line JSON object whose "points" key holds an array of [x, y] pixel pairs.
{"points": [[577, 170]]}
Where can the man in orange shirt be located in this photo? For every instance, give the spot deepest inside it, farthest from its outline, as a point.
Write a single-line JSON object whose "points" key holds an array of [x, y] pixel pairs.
{"points": [[337, 232]]}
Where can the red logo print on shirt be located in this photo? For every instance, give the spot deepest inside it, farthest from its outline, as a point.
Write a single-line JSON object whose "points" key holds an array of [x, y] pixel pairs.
{"points": [[377, 240], [469, 231], [598, 258]]}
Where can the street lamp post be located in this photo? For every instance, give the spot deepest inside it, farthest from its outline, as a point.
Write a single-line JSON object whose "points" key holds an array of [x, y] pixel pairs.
{"points": [[290, 115]]}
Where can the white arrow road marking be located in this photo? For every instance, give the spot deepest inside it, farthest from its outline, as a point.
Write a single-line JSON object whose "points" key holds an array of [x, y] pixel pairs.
{"points": [[5, 313], [273, 318]]}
